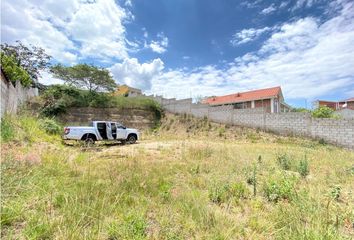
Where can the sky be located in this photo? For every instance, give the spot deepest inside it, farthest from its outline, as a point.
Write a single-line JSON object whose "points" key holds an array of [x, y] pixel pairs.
{"points": [[196, 48]]}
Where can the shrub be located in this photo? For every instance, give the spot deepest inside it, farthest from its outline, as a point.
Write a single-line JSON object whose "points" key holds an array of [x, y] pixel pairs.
{"points": [[238, 190], [221, 131], [13, 71], [58, 98], [303, 167], [323, 112], [335, 192], [276, 189], [50, 126], [284, 161]]}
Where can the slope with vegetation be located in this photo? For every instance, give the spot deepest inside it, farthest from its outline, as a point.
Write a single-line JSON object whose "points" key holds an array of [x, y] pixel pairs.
{"points": [[187, 179]]}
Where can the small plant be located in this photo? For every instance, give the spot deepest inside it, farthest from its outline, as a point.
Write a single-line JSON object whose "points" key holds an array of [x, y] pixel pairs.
{"points": [[279, 188], [303, 167], [222, 193], [221, 131], [322, 141], [335, 192], [238, 190], [217, 193], [284, 161], [252, 180], [50, 126]]}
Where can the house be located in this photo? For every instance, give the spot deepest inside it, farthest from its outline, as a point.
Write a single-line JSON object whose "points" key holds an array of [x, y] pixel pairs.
{"points": [[344, 104], [125, 90], [270, 99]]}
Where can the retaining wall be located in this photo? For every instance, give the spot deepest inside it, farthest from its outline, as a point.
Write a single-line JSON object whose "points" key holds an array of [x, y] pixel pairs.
{"points": [[134, 118]]}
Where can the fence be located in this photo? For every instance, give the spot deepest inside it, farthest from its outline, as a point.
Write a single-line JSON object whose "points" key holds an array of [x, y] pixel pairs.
{"points": [[336, 131]]}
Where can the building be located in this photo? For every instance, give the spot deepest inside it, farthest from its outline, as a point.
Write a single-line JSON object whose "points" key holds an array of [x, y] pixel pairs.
{"points": [[344, 104], [125, 90], [270, 99]]}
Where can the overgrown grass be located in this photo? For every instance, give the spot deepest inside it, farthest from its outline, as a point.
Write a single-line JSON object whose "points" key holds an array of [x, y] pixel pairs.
{"points": [[171, 187]]}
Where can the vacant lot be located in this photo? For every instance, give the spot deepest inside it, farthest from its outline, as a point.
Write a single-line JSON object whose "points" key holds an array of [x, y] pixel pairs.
{"points": [[190, 180]]}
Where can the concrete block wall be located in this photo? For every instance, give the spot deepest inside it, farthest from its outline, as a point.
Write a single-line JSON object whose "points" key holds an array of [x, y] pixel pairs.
{"points": [[292, 123], [337, 131], [221, 114], [253, 118]]}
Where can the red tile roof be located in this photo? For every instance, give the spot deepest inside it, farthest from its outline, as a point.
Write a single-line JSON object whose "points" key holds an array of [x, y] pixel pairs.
{"points": [[350, 100], [244, 96]]}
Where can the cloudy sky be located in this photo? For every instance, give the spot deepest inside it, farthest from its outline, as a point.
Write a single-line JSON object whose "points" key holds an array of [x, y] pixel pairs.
{"points": [[192, 48]]}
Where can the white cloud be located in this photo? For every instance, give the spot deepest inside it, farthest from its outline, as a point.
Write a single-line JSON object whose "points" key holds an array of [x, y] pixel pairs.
{"points": [[48, 79], [269, 10], [309, 59], [159, 46], [134, 74], [304, 4], [248, 35], [97, 27], [128, 3]]}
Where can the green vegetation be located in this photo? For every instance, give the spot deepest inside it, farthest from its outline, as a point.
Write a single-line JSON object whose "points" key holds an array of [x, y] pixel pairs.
{"points": [[323, 112], [14, 72], [28, 129], [57, 98], [32, 59], [187, 183]]}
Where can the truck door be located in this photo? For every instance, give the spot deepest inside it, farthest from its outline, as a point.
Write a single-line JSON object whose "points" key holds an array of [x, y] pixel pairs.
{"points": [[109, 131], [114, 130], [121, 132]]}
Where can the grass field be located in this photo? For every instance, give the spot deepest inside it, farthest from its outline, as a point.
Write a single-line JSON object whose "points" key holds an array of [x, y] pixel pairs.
{"points": [[190, 179]]}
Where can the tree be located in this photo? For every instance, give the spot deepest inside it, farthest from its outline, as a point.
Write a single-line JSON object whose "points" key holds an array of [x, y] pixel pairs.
{"points": [[32, 59], [14, 72], [323, 112], [85, 76]]}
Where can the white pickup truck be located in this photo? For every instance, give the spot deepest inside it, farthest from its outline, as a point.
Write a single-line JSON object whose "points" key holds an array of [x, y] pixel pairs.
{"points": [[102, 130]]}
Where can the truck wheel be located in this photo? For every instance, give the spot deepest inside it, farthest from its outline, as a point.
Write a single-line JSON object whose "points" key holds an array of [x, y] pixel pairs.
{"points": [[89, 141], [131, 139]]}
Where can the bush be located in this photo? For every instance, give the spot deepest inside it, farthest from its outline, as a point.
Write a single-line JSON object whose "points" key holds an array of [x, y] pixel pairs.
{"points": [[284, 161], [58, 98], [303, 167], [323, 112], [14, 72], [50, 126], [276, 189]]}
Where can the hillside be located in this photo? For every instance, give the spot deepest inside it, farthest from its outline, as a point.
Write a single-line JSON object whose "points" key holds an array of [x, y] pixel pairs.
{"points": [[187, 179]]}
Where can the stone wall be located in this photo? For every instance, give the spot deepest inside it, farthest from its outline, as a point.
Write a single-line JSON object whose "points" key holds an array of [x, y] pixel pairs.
{"points": [[337, 131], [134, 118], [13, 96]]}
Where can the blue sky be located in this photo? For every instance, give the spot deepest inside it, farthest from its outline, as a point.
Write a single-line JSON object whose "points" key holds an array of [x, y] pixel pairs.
{"points": [[193, 48]]}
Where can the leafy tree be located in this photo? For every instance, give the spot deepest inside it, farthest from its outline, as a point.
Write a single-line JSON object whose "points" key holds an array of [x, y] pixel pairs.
{"points": [[323, 112], [14, 72], [85, 76], [32, 59]]}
